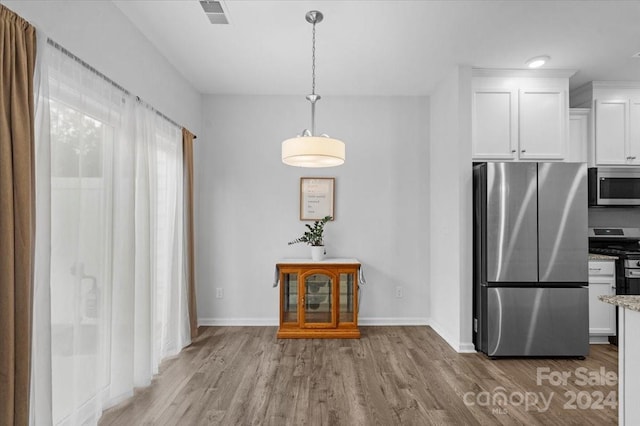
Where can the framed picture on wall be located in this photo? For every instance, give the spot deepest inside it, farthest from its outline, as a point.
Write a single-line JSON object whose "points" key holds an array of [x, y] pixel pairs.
{"points": [[317, 197]]}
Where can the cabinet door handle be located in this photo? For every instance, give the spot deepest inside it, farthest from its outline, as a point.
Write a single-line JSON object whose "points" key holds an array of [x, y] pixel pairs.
{"points": [[633, 158], [595, 269], [513, 151], [524, 150]]}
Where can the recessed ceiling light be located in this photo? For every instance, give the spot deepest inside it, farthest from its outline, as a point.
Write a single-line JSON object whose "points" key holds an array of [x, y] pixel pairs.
{"points": [[537, 62]]}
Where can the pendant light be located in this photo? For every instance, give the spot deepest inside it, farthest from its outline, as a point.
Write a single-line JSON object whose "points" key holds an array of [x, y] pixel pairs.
{"points": [[307, 149]]}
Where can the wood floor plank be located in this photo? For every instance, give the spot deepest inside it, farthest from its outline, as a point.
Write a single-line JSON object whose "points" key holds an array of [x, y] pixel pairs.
{"points": [[391, 376]]}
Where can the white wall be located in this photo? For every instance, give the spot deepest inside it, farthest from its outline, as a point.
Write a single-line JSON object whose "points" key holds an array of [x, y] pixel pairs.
{"points": [[101, 35], [450, 204], [395, 197], [248, 202]]}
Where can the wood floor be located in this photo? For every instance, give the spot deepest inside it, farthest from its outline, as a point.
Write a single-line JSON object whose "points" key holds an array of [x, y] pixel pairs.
{"points": [[391, 376]]}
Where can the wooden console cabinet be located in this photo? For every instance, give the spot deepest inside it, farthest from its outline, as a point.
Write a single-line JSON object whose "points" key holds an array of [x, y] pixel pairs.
{"points": [[318, 299]]}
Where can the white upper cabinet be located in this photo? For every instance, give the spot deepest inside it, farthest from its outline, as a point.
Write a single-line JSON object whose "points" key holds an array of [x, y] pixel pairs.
{"points": [[495, 123], [615, 137], [634, 131], [543, 124], [520, 115], [612, 138]]}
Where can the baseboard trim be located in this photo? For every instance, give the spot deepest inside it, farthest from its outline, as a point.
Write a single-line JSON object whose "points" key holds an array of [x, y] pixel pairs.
{"points": [[238, 322], [445, 335], [467, 348], [598, 340], [456, 345], [392, 321]]}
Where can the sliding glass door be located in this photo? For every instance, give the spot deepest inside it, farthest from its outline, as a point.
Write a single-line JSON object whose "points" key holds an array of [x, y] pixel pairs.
{"points": [[118, 289]]}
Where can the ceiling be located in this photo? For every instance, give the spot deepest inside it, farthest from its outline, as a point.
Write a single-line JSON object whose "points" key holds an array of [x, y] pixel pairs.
{"points": [[385, 47]]}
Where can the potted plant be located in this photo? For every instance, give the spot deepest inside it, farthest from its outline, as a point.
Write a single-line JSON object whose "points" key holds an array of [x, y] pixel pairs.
{"points": [[313, 237]]}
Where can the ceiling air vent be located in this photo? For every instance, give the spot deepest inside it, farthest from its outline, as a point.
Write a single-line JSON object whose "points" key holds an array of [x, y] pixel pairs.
{"points": [[214, 11]]}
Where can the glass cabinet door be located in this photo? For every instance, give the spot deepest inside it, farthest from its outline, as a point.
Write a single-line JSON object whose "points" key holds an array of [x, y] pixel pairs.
{"points": [[290, 302], [347, 289], [318, 300]]}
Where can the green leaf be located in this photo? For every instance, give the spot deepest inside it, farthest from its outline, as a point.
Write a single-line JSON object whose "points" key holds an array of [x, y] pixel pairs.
{"points": [[314, 235]]}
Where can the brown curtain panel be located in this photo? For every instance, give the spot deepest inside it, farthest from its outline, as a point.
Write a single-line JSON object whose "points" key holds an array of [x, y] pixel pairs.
{"points": [[187, 147], [17, 213]]}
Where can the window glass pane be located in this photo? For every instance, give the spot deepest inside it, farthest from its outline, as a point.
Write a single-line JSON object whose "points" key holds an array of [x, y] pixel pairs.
{"points": [[80, 227], [77, 143], [118, 298]]}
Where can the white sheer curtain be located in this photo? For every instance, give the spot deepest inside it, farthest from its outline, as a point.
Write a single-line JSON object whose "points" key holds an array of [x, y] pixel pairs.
{"points": [[118, 298], [40, 400]]}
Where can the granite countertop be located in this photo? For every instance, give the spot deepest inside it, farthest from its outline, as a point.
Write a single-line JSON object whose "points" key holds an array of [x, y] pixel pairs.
{"points": [[629, 302], [593, 256]]}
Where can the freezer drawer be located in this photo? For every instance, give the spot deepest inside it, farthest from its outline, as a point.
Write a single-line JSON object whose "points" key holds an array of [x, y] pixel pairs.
{"points": [[537, 321]]}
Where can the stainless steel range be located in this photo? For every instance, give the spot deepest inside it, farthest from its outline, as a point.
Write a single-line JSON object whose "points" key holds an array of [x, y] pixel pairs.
{"points": [[625, 244]]}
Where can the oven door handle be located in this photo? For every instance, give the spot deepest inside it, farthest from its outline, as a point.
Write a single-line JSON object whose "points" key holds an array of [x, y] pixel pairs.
{"points": [[632, 273]]}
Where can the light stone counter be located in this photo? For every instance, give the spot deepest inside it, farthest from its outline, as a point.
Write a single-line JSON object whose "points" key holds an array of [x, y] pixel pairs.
{"points": [[594, 256], [629, 302]]}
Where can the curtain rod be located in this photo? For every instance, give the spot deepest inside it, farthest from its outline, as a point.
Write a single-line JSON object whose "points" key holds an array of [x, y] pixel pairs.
{"points": [[108, 80]]}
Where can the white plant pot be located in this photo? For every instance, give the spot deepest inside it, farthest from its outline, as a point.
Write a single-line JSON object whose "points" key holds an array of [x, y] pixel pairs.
{"points": [[317, 253]]}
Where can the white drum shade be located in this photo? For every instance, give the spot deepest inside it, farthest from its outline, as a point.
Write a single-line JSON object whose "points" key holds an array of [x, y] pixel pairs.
{"points": [[313, 151]]}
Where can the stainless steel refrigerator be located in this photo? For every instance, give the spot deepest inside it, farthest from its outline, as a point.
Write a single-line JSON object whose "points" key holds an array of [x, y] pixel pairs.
{"points": [[530, 266]]}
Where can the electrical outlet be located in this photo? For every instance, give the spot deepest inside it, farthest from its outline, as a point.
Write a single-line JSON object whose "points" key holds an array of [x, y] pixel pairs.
{"points": [[399, 292], [219, 293]]}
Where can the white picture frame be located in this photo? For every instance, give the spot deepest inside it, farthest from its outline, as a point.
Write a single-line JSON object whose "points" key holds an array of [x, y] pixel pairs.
{"points": [[317, 197]]}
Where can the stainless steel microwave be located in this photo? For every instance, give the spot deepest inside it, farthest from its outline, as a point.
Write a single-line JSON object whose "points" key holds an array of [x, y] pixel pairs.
{"points": [[614, 186]]}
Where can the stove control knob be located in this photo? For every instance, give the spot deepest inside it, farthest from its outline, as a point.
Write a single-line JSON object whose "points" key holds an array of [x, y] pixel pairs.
{"points": [[638, 263]]}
